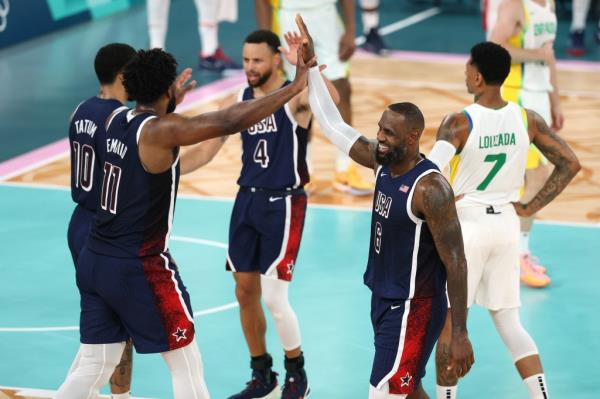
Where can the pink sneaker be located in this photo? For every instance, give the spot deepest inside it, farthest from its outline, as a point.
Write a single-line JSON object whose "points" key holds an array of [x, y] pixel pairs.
{"points": [[532, 274]]}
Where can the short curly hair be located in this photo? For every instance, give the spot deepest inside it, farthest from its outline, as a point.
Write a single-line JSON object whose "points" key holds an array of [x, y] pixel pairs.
{"points": [[110, 60], [492, 61], [149, 75]]}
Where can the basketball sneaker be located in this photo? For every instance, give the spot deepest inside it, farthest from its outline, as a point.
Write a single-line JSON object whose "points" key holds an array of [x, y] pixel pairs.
{"points": [[352, 182], [576, 43], [218, 62], [296, 386], [374, 42], [260, 387], [532, 273]]}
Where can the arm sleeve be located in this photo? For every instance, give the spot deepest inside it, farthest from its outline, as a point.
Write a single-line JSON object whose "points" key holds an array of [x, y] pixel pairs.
{"points": [[323, 108], [441, 154]]}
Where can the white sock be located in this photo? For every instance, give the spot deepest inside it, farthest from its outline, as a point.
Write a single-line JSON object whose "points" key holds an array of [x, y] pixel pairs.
{"points": [[445, 392], [125, 395], [208, 25], [524, 243], [580, 12], [536, 385], [369, 14], [158, 21]]}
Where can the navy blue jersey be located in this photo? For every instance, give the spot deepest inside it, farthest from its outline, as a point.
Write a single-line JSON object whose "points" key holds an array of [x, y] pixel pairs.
{"points": [[86, 136], [274, 151], [403, 261], [136, 208]]}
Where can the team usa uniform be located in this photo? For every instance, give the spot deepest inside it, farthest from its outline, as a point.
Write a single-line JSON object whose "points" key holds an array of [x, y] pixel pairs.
{"points": [[268, 214], [489, 173], [87, 134], [408, 283], [129, 284]]}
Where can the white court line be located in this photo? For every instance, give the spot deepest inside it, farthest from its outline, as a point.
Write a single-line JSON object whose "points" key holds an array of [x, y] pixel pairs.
{"points": [[403, 23], [45, 393], [210, 243]]}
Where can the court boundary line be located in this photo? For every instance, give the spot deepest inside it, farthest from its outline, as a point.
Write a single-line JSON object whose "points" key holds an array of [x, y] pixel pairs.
{"points": [[346, 208]]}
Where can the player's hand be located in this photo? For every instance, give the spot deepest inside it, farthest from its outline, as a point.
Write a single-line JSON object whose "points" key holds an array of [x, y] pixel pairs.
{"points": [[308, 47], [182, 86], [546, 52], [301, 79], [522, 209], [347, 46], [461, 353], [558, 119], [294, 41]]}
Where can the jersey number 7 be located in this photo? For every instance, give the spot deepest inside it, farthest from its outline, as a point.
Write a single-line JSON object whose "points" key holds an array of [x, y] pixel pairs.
{"points": [[499, 159]]}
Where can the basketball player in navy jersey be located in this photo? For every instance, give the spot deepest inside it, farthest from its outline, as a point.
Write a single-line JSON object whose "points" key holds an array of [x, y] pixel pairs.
{"points": [[87, 137], [415, 247], [268, 217], [129, 284]]}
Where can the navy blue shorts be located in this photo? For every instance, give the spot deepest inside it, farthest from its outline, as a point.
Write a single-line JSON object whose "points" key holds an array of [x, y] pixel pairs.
{"points": [[265, 233], [405, 333], [79, 229], [141, 298]]}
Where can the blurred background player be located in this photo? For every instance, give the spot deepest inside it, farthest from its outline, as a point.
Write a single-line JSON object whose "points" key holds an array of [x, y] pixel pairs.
{"points": [[334, 44], [87, 137], [488, 144], [577, 31], [527, 29], [268, 217], [210, 13], [370, 19]]}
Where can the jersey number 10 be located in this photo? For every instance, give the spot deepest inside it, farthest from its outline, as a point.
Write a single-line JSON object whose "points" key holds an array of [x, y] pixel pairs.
{"points": [[84, 158]]}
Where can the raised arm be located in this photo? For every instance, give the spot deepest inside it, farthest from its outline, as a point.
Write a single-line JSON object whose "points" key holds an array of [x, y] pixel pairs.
{"points": [[433, 200], [558, 152], [450, 139]]}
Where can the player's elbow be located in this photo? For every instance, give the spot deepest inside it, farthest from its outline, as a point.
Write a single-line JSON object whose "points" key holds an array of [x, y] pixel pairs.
{"points": [[574, 166]]}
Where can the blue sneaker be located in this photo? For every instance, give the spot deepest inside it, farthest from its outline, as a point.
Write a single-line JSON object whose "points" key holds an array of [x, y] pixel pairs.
{"points": [[576, 43], [374, 42], [260, 387], [296, 386], [218, 62]]}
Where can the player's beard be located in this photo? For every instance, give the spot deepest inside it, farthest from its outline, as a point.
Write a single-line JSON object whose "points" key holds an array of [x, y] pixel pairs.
{"points": [[262, 79], [393, 155]]}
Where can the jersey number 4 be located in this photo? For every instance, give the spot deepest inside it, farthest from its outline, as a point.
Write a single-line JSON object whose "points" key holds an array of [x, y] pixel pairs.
{"points": [[84, 158], [499, 160], [261, 156], [110, 187]]}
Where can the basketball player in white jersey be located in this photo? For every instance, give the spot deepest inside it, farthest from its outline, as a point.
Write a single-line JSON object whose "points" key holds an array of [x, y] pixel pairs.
{"points": [[527, 29], [490, 139], [210, 13], [334, 44], [369, 12]]}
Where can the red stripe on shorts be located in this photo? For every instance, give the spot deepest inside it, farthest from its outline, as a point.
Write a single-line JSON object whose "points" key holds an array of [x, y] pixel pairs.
{"points": [[285, 268], [419, 318], [178, 328]]}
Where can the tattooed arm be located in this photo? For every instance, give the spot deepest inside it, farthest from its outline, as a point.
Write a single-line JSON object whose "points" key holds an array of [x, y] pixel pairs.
{"points": [[434, 201], [566, 164]]}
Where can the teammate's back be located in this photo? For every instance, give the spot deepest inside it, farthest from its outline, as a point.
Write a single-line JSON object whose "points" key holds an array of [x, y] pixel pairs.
{"points": [[490, 167]]}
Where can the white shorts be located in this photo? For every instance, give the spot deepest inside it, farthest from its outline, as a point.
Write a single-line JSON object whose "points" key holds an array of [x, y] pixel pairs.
{"points": [[326, 29], [492, 251]]}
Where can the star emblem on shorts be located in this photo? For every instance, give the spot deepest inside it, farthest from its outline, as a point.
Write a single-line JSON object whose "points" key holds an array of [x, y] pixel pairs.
{"points": [[405, 381], [290, 267], [180, 334]]}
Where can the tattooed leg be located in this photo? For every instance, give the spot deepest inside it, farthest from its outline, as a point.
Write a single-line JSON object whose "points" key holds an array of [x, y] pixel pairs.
{"points": [[120, 381]]}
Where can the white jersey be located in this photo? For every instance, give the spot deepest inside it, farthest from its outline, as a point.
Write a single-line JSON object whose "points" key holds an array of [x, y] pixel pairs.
{"points": [[490, 169], [539, 28], [304, 4]]}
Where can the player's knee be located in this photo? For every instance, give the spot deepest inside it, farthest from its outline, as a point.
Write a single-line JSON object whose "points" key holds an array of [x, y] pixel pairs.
{"points": [[247, 295], [513, 334]]}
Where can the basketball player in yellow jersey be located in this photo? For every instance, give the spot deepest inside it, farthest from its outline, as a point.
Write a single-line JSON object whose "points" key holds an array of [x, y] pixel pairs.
{"points": [[334, 38], [527, 29], [490, 139]]}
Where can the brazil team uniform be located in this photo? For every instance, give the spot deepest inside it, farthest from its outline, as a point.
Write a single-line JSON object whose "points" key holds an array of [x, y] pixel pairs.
{"points": [[489, 172], [86, 138], [408, 283], [528, 83], [268, 214], [129, 284]]}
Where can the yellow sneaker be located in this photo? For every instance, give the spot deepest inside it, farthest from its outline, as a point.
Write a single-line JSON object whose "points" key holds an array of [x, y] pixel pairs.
{"points": [[532, 276], [352, 182]]}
